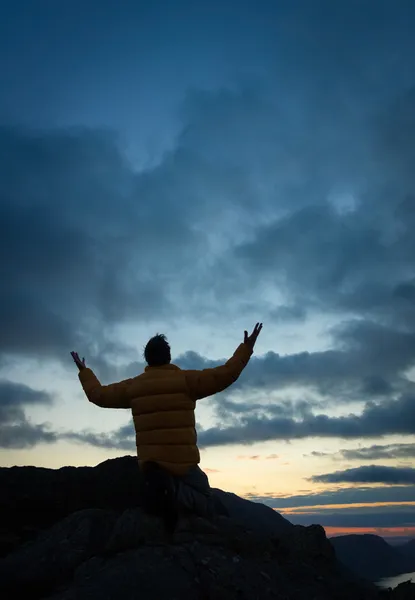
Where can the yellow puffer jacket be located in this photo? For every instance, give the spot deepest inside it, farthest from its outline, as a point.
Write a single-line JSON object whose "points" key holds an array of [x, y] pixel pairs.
{"points": [[163, 400]]}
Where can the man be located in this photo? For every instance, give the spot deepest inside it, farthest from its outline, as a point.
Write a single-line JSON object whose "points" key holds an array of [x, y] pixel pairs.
{"points": [[162, 401]]}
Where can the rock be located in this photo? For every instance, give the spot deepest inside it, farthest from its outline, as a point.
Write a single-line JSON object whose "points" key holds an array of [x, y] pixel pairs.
{"points": [[133, 528], [9, 541], [308, 541], [35, 498], [101, 554], [254, 515], [404, 591], [96, 543], [42, 563], [143, 573]]}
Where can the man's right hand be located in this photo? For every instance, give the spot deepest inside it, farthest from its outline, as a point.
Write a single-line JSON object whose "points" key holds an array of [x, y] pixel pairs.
{"points": [[251, 339], [79, 363]]}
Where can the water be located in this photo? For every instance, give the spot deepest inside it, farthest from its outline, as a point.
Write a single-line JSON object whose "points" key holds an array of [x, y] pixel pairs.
{"points": [[392, 582]]}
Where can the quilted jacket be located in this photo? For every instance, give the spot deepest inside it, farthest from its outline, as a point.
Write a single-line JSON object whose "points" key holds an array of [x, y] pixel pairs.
{"points": [[162, 401]]}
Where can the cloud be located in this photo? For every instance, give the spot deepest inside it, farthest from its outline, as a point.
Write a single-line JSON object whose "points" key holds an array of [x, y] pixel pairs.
{"points": [[376, 452], [101, 440], [100, 242], [244, 457], [13, 395], [257, 457], [367, 270], [16, 431], [122, 438], [91, 242], [68, 221], [376, 420], [370, 362], [81, 228], [317, 454], [369, 474]]}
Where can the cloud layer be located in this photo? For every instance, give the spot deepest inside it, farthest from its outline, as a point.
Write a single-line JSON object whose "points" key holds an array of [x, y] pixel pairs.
{"points": [[16, 431], [369, 474]]}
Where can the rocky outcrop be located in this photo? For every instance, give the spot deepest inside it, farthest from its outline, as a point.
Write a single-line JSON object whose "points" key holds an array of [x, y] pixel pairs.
{"points": [[97, 553], [34, 498], [404, 591]]}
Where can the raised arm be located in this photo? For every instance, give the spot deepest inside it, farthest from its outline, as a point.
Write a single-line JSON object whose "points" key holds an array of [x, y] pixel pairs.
{"points": [[207, 382], [106, 396]]}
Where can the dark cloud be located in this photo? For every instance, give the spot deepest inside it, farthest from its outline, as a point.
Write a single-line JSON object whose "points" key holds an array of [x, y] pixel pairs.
{"points": [[13, 395], [20, 433], [68, 221], [376, 420], [370, 362], [350, 254], [356, 259], [16, 431], [377, 452], [91, 242], [374, 452], [121, 439], [101, 440], [369, 474]]}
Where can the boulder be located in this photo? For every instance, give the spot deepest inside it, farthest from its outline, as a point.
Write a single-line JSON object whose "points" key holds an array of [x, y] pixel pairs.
{"points": [[99, 553]]}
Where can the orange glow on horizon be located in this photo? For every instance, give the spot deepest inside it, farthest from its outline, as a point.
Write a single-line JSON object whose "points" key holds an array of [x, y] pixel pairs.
{"points": [[311, 509]]}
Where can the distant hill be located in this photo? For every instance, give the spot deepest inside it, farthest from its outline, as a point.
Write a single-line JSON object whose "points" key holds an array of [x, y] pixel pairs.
{"points": [[370, 556], [408, 550], [398, 540]]}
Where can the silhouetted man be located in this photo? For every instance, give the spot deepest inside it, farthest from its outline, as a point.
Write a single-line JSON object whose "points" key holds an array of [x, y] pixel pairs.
{"points": [[163, 400]]}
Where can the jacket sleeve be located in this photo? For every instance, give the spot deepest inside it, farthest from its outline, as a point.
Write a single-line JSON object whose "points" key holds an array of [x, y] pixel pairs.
{"points": [[207, 382], [107, 396]]}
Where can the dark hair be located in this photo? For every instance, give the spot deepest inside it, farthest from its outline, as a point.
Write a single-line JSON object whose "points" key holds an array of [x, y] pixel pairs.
{"points": [[157, 351]]}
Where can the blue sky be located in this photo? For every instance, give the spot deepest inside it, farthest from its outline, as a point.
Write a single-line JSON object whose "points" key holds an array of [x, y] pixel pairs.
{"points": [[192, 168]]}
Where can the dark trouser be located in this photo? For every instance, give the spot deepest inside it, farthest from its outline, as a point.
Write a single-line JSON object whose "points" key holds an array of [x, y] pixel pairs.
{"points": [[166, 494]]}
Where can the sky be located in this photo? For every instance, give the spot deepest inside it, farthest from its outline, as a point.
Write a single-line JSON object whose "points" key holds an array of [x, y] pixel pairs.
{"points": [[191, 168]]}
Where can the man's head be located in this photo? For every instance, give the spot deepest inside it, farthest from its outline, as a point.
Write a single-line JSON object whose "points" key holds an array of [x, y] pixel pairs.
{"points": [[157, 351]]}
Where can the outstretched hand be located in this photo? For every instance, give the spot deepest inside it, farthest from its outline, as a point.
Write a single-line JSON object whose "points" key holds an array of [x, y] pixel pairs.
{"points": [[251, 339], [79, 363]]}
